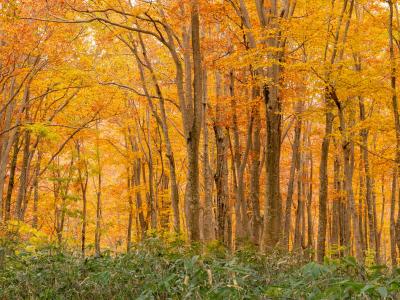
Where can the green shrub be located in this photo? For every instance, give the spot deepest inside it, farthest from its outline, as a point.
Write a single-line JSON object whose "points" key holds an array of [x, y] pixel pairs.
{"points": [[170, 269]]}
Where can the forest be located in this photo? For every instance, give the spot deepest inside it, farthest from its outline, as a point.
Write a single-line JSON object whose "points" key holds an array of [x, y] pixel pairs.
{"points": [[199, 149]]}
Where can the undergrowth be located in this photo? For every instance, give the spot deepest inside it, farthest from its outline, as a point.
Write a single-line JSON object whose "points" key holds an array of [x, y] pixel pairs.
{"points": [[163, 269]]}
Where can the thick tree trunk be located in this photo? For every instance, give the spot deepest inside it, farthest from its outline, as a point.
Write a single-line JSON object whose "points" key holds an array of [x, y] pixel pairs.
{"points": [[273, 205], [273, 202], [394, 231], [208, 220], [348, 183], [6, 142], [221, 182], [221, 172], [193, 130]]}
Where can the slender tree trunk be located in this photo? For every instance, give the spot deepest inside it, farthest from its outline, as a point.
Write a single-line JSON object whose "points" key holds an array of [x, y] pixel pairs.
{"points": [[393, 250], [362, 220], [310, 225], [240, 160], [163, 122], [137, 175], [135, 182], [372, 222], [295, 165], [97, 237], [130, 213], [255, 176], [23, 181], [83, 176], [11, 180], [382, 218], [152, 199], [36, 190], [61, 192], [84, 221], [335, 235], [345, 224], [298, 237]]}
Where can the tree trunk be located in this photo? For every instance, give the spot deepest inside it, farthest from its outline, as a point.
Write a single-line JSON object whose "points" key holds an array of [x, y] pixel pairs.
{"points": [[382, 218], [193, 136], [130, 213], [97, 237], [348, 182], [361, 207], [310, 226], [298, 237], [6, 142], [23, 180], [83, 176], [163, 122], [11, 180], [255, 176], [323, 185], [221, 182], [221, 172], [273, 204], [393, 250], [36, 190], [295, 165], [394, 231], [135, 183], [208, 220], [335, 233]]}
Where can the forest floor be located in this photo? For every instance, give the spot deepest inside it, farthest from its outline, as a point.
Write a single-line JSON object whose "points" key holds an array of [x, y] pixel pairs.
{"points": [[161, 269]]}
